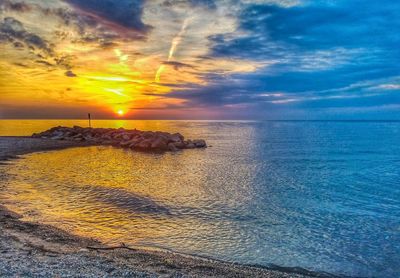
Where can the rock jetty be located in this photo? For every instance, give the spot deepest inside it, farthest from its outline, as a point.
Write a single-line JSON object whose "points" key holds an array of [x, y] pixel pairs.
{"points": [[125, 138]]}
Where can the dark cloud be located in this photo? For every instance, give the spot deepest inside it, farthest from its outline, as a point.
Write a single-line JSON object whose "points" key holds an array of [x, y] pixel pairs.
{"points": [[22, 65], [220, 90], [6, 5], [209, 4], [18, 45], [69, 73], [348, 24], [311, 51], [126, 13], [45, 63], [13, 29], [177, 65]]}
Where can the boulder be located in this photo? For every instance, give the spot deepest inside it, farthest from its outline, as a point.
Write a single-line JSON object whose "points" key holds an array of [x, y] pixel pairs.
{"points": [[125, 144], [189, 144], [116, 135], [200, 143], [133, 145], [57, 137], [179, 145], [145, 144], [129, 143], [172, 147], [106, 137], [176, 137], [159, 143], [147, 134], [134, 139]]}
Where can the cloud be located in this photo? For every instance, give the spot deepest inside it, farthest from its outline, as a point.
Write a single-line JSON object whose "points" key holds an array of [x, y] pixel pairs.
{"points": [[13, 29], [389, 86], [177, 65], [288, 33], [209, 4], [69, 73], [250, 56], [126, 13], [6, 5]]}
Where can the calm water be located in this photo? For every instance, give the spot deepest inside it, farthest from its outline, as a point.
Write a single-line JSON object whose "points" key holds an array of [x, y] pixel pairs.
{"points": [[320, 195]]}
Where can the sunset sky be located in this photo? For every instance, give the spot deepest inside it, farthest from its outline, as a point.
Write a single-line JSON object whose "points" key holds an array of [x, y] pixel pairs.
{"points": [[205, 59]]}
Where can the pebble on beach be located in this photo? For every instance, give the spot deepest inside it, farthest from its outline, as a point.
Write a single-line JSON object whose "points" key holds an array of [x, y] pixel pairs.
{"points": [[125, 138]]}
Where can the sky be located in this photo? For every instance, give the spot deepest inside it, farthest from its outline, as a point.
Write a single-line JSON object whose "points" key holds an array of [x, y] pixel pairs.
{"points": [[204, 59]]}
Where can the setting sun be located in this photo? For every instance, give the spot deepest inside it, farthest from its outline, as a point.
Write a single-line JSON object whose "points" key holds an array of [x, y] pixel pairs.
{"points": [[120, 112]]}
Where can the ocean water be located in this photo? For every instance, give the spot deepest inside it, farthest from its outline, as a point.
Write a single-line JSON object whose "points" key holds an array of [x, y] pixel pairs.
{"points": [[324, 196]]}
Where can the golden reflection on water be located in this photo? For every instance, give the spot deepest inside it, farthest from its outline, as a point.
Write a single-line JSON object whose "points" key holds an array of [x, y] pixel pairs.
{"points": [[257, 196], [182, 200], [117, 195]]}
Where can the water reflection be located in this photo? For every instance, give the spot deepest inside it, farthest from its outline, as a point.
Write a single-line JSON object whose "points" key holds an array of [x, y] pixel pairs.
{"points": [[315, 195]]}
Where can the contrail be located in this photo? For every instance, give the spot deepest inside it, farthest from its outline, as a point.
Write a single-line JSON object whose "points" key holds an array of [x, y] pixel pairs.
{"points": [[174, 44]]}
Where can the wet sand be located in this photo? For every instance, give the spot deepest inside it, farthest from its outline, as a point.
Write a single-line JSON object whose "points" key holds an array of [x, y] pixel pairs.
{"points": [[38, 250]]}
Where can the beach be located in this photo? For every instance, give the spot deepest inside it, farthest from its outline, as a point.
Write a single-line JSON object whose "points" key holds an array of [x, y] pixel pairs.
{"points": [[34, 249]]}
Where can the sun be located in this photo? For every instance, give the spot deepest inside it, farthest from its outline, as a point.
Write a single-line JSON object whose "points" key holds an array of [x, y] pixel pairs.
{"points": [[120, 112]]}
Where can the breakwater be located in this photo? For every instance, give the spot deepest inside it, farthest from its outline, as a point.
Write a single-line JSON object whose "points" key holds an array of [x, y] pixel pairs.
{"points": [[125, 138]]}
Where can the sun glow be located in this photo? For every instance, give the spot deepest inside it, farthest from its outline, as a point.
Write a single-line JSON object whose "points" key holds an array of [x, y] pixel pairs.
{"points": [[74, 74]]}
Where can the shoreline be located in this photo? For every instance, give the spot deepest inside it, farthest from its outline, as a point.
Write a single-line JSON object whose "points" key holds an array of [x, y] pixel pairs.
{"points": [[32, 249]]}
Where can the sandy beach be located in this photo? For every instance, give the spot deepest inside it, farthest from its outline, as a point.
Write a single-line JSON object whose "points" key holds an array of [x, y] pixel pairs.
{"points": [[37, 250]]}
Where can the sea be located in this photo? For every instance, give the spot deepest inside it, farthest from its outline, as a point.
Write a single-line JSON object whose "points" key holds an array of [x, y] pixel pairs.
{"points": [[318, 195]]}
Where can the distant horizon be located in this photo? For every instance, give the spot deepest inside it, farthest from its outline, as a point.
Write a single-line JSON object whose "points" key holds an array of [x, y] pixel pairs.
{"points": [[239, 120]]}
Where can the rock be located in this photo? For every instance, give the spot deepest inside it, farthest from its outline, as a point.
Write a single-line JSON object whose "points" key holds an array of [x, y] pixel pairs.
{"points": [[88, 137], [125, 137], [190, 146], [159, 144], [176, 137], [134, 139], [58, 133], [115, 135], [200, 143], [115, 143], [172, 147], [145, 144], [133, 145], [125, 144], [106, 137], [179, 145], [148, 134]]}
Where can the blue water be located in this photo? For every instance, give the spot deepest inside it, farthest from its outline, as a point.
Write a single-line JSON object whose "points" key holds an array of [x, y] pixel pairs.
{"points": [[324, 196]]}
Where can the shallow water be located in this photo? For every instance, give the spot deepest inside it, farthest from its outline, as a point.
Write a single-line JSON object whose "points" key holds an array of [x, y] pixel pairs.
{"points": [[320, 195]]}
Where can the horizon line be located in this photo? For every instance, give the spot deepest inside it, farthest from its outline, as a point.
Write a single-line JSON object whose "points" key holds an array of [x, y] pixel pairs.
{"points": [[259, 120]]}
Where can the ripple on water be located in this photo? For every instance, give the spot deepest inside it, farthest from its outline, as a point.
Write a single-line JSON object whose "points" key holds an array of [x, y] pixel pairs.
{"points": [[322, 196]]}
